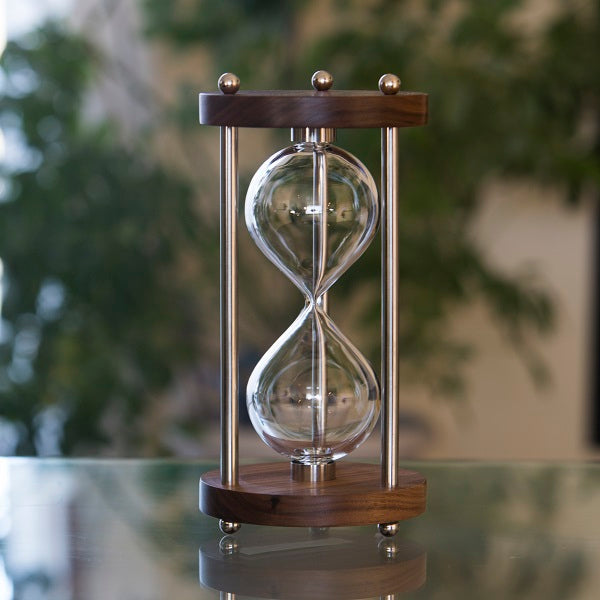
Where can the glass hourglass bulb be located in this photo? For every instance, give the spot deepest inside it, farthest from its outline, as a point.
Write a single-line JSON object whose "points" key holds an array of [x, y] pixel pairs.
{"points": [[283, 212], [312, 209]]}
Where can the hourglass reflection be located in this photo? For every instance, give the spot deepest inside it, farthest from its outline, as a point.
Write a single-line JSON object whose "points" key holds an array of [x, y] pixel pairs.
{"points": [[312, 209]]}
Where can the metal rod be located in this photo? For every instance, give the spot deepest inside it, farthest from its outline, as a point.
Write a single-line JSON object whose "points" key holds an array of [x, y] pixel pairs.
{"points": [[320, 202], [229, 306], [390, 376]]}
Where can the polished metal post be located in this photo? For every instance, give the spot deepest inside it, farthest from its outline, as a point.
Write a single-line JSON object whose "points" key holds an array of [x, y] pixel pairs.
{"points": [[390, 376], [229, 307], [389, 309], [229, 84], [321, 203]]}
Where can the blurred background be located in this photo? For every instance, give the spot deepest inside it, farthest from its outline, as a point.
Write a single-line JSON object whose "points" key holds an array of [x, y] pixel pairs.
{"points": [[109, 219]]}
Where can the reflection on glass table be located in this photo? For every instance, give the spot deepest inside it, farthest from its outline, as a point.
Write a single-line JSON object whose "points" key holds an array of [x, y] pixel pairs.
{"points": [[316, 563], [131, 530]]}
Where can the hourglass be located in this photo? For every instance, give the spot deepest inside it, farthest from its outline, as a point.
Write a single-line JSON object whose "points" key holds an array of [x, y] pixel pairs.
{"points": [[312, 209]]}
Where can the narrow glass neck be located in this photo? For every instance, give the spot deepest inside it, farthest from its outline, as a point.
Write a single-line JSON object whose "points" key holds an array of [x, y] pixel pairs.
{"points": [[312, 303]]}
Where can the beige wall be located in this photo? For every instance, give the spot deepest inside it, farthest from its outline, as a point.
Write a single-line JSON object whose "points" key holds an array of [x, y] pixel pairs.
{"points": [[506, 415]]}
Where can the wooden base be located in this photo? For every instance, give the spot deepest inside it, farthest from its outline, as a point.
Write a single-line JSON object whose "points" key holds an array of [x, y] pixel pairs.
{"points": [[266, 495]]}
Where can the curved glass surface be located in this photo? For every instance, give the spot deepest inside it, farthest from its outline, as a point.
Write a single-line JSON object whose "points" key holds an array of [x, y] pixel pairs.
{"points": [[283, 213], [312, 209]]}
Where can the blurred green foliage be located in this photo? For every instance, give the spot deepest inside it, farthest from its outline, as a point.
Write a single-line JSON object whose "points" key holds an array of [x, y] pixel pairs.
{"points": [[99, 316], [95, 315]]}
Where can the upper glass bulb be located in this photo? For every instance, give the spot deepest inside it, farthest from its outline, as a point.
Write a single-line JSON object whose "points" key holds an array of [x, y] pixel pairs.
{"points": [[282, 211]]}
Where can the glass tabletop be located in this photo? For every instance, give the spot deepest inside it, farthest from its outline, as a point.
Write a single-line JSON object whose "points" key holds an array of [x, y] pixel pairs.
{"points": [[131, 530]]}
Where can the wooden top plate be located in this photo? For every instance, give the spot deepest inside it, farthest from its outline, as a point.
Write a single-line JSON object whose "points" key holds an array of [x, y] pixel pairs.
{"points": [[347, 109]]}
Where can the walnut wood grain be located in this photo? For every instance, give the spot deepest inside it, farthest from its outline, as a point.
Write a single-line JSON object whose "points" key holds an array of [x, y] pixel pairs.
{"points": [[348, 109], [266, 495]]}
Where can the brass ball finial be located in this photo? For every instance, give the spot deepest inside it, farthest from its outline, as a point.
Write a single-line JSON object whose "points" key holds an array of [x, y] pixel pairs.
{"points": [[228, 527], [389, 84], [321, 81], [229, 83], [389, 529]]}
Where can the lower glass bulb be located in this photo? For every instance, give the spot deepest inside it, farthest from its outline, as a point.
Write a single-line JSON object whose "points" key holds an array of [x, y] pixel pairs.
{"points": [[285, 396]]}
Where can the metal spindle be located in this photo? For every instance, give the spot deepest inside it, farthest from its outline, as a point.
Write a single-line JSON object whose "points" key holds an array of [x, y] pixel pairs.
{"points": [[229, 84], [390, 319], [390, 367], [320, 199], [229, 307]]}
